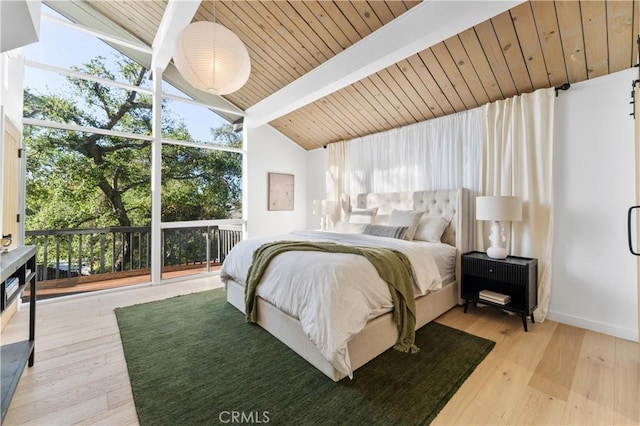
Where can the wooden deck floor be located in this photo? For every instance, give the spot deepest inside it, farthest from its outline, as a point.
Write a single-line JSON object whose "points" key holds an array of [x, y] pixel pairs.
{"points": [[50, 289]]}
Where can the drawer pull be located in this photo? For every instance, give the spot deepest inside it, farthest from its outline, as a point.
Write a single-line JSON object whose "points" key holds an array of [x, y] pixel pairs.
{"points": [[491, 271]]}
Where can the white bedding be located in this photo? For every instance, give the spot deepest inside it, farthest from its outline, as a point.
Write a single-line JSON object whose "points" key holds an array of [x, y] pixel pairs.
{"points": [[335, 295]]}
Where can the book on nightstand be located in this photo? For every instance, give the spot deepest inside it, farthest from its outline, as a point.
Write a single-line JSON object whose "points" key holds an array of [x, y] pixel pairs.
{"points": [[492, 296]]}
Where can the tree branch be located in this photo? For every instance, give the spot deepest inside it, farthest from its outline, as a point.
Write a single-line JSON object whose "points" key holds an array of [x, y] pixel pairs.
{"points": [[97, 89], [127, 105], [133, 185], [116, 177], [85, 220], [144, 105], [117, 147]]}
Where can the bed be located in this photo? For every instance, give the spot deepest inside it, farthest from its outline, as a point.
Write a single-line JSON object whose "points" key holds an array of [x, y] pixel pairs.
{"points": [[434, 297]]}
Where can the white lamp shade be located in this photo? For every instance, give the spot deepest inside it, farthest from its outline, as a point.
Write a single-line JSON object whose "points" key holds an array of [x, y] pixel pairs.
{"points": [[499, 208], [212, 58], [324, 207]]}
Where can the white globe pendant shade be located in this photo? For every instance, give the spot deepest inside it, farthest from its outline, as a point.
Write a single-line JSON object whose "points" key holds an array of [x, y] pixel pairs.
{"points": [[212, 58]]}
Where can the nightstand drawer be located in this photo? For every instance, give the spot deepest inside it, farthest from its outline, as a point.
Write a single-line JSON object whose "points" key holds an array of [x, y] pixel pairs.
{"points": [[500, 271]]}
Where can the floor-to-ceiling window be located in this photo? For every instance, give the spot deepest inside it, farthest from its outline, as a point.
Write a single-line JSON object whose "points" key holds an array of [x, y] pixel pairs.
{"points": [[88, 123], [201, 199]]}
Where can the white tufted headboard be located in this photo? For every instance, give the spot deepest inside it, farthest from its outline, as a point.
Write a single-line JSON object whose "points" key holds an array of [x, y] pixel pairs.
{"points": [[452, 204]]}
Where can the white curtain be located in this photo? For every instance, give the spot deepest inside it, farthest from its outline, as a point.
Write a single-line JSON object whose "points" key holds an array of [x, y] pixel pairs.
{"points": [[444, 153], [518, 160], [334, 177], [503, 148]]}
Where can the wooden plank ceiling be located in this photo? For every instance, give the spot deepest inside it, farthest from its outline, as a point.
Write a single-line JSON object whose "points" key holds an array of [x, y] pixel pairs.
{"points": [[537, 44]]}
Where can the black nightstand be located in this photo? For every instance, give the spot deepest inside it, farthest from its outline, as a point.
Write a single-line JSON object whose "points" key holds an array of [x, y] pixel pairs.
{"points": [[514, 276]]}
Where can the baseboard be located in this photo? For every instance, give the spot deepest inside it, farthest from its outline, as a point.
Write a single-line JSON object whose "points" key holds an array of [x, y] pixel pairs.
{"points": [[600, 327]]}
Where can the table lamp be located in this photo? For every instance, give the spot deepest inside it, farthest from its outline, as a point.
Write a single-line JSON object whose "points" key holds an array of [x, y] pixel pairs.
{"points": [[498, 209], [325, 208]]}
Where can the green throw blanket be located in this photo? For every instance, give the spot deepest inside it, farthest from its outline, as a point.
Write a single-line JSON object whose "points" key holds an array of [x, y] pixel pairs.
{"points": [[392, 266]]}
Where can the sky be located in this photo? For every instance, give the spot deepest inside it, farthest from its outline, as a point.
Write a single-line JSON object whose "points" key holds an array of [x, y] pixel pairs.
{"points": [[64, 47]]}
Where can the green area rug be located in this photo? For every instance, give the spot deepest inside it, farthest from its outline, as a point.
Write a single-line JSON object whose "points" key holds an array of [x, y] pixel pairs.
{"points": [[194, 360]]}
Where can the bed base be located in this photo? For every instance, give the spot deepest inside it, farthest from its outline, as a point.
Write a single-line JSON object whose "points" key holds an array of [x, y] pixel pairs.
{"points": [[379, 334]]}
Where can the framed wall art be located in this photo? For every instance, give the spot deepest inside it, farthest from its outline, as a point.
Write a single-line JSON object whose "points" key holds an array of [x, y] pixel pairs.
{"points": [[281, 189]]}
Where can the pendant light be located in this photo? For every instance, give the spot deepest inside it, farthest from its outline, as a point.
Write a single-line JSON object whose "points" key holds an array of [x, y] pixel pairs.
{"points": [[212, 58]]}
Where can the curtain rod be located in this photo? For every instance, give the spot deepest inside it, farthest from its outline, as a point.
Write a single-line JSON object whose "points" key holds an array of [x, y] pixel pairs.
{"points": [[564, 86]]}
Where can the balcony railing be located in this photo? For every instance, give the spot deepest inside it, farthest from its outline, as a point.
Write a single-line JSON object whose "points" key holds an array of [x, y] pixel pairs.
{"points": [[126, 251]]}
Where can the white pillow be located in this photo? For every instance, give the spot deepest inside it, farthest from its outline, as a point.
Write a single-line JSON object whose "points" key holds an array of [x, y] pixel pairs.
{"points": [[365, 216], [408, 218], [431, 228]]}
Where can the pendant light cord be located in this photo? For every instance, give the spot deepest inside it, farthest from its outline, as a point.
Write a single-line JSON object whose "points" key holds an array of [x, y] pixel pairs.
{"points": [[214, 39]]}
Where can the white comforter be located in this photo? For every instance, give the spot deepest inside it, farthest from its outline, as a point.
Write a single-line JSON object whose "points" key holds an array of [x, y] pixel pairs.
{"points": [[333, 295]]}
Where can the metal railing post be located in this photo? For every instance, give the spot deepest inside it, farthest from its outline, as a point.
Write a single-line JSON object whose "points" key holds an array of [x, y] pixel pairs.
{"points": [[103, 243], [45, 261], [208, 249]]}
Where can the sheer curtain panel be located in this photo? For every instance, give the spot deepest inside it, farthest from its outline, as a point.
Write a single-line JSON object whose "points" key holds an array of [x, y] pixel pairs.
{"points": [[443, 153], [517, 160]]}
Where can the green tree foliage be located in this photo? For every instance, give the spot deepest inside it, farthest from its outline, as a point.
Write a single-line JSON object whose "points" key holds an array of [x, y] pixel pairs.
{"points": [[82, 180], [209, 188]]}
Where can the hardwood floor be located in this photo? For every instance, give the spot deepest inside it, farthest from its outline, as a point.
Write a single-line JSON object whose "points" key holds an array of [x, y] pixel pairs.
{"points": [[80, 375], [554, 374]]}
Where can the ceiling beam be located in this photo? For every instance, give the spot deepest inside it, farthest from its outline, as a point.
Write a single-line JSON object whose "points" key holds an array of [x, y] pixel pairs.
{"points": [[177, 15], [419, 28]]}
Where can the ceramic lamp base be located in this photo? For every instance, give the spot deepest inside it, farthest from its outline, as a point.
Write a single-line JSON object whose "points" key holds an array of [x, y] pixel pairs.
{"points": [[328, 223], [497, 252]]}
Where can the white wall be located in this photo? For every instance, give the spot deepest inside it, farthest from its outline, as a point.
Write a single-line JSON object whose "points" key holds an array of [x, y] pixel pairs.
{"points": [[12, 79], [594, 275], [271, 151], [19, 23]]}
